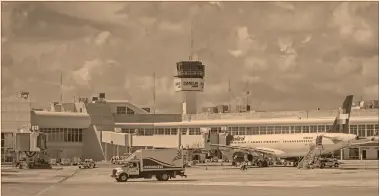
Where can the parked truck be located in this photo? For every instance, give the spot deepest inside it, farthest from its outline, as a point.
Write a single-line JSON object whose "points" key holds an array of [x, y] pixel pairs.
{"points": [[146, 163]]}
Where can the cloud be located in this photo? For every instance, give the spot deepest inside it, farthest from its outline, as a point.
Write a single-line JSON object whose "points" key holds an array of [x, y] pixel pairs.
{"points": [[83, 75], [307, 39], [107, 12], [255, 63], [244, 42], [102, 37], [352, 26], [285, 5], [371, 92], [169, 26], [294, 55]]}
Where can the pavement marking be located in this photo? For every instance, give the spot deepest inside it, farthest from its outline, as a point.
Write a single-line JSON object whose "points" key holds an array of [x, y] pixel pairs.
{"points": [[59, 182]]}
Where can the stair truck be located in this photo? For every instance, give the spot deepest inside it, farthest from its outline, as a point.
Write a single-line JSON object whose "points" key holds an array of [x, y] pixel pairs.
{"points": [[146, 163]]}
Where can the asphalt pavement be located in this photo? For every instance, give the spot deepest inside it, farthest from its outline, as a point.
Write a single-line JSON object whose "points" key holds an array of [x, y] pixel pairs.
{"points": [[210, 182]]}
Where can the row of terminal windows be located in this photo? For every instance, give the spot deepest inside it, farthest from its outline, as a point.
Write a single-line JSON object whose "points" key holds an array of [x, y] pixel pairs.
{"points": [[272, 142], [63, 134], [124, 110], [162, 131], [362, 130]]}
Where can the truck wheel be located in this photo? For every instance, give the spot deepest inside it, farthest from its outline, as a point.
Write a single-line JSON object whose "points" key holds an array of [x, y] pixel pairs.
{"points": [[322, 165], [122, 178], [336, 165], [164, 177], [158, 177]]}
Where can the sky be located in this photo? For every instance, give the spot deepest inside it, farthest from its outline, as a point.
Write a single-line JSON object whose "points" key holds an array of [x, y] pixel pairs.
{"points": [[288, 55]]}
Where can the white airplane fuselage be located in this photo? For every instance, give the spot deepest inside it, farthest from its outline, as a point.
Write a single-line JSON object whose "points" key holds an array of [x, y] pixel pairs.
{"points": [[292, 145]]}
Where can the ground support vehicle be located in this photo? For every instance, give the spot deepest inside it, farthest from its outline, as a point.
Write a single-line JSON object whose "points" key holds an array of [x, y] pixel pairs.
{"points": [[87, 163], [146, 163]]}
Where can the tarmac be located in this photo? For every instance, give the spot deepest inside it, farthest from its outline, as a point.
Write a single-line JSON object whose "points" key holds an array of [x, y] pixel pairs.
{"points": [[220, 181]]}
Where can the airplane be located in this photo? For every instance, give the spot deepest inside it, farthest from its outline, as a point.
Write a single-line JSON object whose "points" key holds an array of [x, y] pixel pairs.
{"points": [[292, 147]]}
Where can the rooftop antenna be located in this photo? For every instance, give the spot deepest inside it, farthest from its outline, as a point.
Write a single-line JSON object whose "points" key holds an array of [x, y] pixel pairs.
{"points": [[61, 87], [192, 40], [154, 93], [247, 94], [229, 96]]}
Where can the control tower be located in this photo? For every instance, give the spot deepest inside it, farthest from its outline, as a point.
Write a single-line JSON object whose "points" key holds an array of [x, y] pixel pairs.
{"points": [[189, 80]]}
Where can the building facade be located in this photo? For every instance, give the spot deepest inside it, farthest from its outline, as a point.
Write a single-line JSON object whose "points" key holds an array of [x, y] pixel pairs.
{"points": [[85, 129]]}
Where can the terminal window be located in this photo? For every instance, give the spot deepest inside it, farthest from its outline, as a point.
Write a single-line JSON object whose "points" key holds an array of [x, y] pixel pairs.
{"points": [[129, 111], [121, 110]]}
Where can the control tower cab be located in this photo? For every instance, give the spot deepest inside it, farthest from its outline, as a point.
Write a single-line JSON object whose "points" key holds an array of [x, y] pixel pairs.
{"points": [[189, 80]]}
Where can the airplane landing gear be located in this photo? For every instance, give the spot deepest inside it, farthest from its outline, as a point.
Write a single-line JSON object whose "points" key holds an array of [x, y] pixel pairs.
{"points": [[262, 163]]}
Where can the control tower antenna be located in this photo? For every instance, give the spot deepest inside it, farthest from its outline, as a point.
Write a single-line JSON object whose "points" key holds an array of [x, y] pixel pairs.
{"points": [[61, 86], [154, 93], [192, 40], [229, 96]]}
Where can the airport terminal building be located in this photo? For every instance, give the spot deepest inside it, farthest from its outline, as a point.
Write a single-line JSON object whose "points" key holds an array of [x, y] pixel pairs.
{"points": [[101, 128]]}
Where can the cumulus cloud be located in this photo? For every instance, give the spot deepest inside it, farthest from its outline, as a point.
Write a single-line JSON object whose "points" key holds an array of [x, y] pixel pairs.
{"points": [[371, 92], [82, 76], [169, 26], [244, 41], [289, 52], [102, 37]]}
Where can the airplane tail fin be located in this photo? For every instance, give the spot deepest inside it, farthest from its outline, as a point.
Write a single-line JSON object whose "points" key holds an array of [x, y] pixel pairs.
{"points": [[341, 123]]}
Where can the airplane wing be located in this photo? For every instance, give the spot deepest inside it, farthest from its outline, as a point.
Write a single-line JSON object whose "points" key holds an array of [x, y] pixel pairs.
{"points": [[250, 149]]}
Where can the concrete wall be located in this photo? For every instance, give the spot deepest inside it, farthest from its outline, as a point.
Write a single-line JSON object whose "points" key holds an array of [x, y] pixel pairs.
{"points": [[371, 153], [92, 147], [169, 141], [111, 150], [65, 150], [101, 116], [46, 119]]}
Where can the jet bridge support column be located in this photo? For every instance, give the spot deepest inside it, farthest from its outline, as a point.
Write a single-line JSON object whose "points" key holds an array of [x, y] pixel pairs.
{"points": [[179, 138]]}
